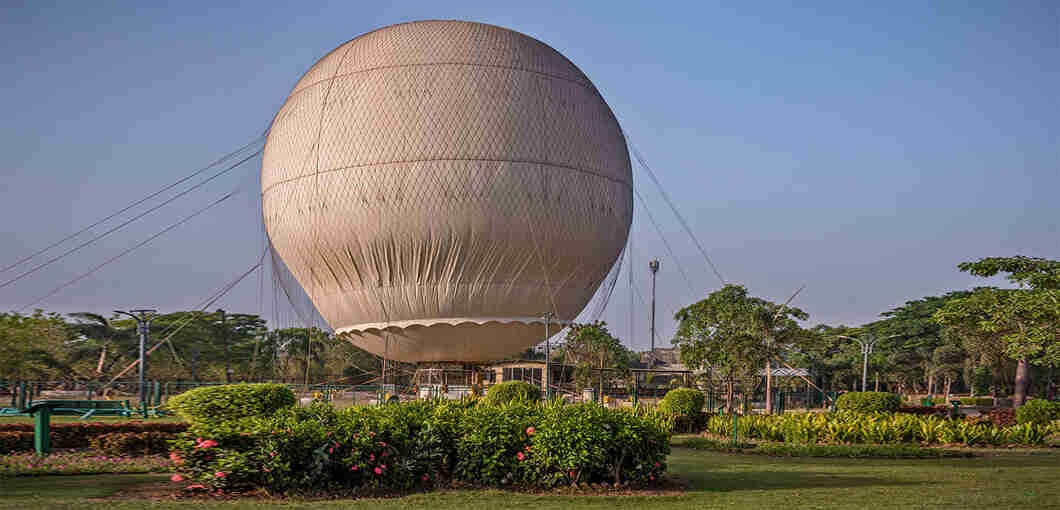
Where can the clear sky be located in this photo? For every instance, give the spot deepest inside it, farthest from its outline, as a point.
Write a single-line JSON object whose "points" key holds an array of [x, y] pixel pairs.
{"points": [[860, 150]]}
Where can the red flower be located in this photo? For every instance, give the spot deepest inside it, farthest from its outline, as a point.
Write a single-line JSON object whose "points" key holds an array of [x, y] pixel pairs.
{"points": [[656, 464], [176, 478], [520, 456], [354, 468], [209, 443], [378, 471], [371, 457], [382, 444], [530, 431], [382, 466], [331, 450], [425, 478], [175, 457], [219, 474], [652, 478], [196, 486]]}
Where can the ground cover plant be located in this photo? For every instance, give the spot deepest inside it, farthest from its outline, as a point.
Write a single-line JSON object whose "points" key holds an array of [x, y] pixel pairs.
{"points": [[419, 444], [877, 428]]}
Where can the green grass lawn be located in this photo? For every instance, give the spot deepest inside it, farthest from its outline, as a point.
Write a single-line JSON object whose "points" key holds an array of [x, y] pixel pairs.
{"points": [[714, 480]]}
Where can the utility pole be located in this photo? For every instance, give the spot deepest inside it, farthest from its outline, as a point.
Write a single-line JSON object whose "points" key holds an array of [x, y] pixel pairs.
{"points": [[228, 351], [548, 357], [143, 318], [308, 356], [654, 266]]}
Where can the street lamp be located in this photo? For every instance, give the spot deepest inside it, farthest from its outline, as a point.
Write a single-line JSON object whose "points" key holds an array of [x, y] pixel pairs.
{"points": [[866, 348], [654, 267], [143, 318], [548, 357]]}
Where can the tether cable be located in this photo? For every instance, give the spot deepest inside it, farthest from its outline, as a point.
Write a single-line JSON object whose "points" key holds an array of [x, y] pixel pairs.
{"points": [[130, 206], [127, 222]]}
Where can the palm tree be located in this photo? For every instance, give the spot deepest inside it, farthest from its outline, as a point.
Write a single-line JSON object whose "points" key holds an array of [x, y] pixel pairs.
{"points": [[97, 336]]}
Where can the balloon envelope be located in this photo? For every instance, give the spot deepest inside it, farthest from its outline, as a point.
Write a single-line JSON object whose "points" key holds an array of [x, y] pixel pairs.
{"points": [[437, 187]]}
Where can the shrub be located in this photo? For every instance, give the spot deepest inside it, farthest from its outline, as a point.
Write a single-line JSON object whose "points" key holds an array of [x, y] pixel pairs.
{"points": [[1041, 412], [683, 402], [132, 443], [512, 391], [215, 404], [924, 411], [78, 435], [414, 445], [868, 402], [12, 441], [975, 401]]}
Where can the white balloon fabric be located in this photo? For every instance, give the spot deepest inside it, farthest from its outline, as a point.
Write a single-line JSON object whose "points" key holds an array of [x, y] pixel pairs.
{"points": [[436, 187]]}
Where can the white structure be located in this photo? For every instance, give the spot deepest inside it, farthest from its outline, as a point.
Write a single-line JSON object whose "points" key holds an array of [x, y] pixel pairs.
{"points": [[435, 187]]}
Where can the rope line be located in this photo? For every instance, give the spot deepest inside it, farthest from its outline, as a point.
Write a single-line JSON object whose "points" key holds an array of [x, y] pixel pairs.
{"points": [[128, 250], [680, 218], [126, 222]]}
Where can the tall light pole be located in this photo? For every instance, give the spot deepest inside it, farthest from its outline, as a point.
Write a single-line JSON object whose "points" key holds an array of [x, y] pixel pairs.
{"points": [[548, 357], [228, 352], [654, 266], [866, 348], [143, 318]]}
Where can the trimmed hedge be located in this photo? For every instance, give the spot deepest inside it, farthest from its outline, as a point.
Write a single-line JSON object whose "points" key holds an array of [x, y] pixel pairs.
{"points": [[860, 451], [417, 445], [512, 391], [133, 443], [868, 402], [975, 401], [218, 404], [15, 437], [683, 402], [1041, 412]]}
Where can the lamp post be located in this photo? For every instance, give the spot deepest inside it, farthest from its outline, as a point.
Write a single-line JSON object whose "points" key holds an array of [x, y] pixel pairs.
{"points": [[866, 348], [143, 318], [654, 267]]}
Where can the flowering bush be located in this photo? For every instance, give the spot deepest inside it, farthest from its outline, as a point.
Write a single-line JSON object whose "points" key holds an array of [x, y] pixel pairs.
{"points": [[416, 444], [1038, 411]]}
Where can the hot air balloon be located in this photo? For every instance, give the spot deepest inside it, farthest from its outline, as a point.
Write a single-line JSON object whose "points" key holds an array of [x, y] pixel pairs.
{"points": [[436, 187]]}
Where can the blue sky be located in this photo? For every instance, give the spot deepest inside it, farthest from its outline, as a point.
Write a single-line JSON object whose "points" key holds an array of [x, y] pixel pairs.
{"points": [[860, 150]]}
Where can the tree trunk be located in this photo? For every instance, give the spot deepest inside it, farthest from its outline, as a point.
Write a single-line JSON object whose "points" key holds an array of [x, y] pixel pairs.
{"points": [[949, 380], [931, 386], [729, 400], [102, 359], [1023, 380]]}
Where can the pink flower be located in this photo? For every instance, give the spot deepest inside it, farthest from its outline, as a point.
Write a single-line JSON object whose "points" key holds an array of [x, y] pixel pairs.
{"points": [[378, 471], [196, 486], [425, 478], [175, 457], [176, 478], [656, 464], [382, 444], [209, 443], [651, 477], [530, 431], [219, 474], [371, 457], [354, 468], [272, 454], [520, 455], [331, 450], [382, 466]]}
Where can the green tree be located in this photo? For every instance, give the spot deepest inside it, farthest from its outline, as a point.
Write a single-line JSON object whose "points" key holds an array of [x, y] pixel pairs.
{"points": [[737, 334], [592, 347], [1025, 320]]}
